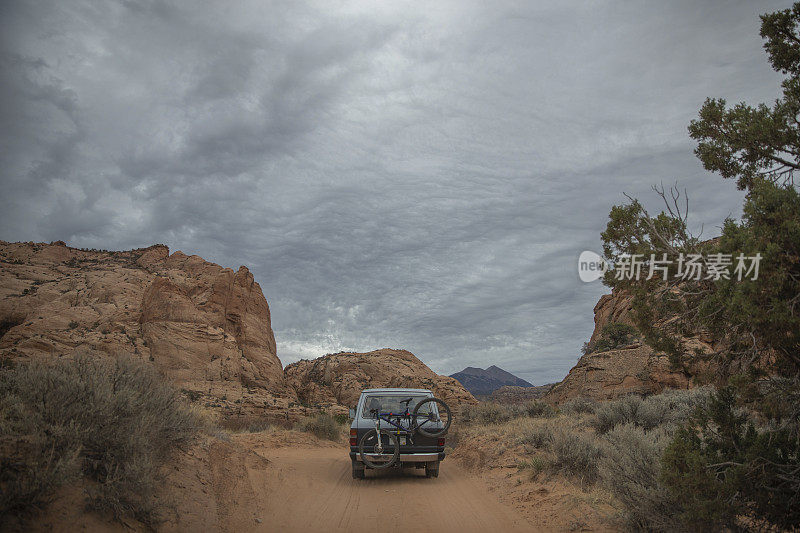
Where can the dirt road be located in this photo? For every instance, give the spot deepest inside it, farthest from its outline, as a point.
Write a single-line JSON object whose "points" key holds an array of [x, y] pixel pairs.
{"points": [[285, 481], [312, 490]]}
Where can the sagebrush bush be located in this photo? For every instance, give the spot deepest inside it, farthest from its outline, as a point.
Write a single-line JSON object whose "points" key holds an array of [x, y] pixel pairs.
{"points": [[575, 454], [579, 405], [669, 407], [538, 409], [112, 420], [321, 425], [630, 469], [539, 436], [616, 412], [485, 413], [257, 426]]}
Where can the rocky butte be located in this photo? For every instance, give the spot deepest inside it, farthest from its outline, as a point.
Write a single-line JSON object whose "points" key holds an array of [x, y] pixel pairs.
{"points": [[205, 327], [336, 380]]}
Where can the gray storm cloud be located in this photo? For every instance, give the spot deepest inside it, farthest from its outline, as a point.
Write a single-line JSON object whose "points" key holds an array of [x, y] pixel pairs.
{"points": [[395, 174]]}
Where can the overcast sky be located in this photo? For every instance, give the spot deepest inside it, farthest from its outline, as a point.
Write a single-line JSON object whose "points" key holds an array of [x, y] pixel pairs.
{"points": [[417, 175]]}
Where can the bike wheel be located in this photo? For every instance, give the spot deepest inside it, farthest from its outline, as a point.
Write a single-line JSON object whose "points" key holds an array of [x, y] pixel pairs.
{"points": [[426, 427], [375, 457]]}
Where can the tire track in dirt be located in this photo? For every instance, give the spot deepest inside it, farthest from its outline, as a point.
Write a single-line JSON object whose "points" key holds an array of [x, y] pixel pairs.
{"points": [[312, 490]]}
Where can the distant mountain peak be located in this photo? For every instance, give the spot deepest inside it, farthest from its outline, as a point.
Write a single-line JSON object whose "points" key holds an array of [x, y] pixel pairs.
{"points": [[483, 382]]}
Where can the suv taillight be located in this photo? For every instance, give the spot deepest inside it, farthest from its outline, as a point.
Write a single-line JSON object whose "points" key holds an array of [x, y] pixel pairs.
{"points": [[441, 441], [353, 437]]}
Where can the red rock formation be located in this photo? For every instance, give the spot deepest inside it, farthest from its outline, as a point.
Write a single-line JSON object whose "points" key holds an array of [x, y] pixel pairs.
{"points": [[632, 369], [204, 326], [338, 379]]}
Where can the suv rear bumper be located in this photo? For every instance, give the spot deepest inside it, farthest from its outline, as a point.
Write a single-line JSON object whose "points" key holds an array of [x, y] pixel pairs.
{"points": [[408, 457]]}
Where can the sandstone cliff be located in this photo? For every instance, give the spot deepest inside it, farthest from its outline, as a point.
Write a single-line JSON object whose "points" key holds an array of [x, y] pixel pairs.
{"points": [[635, 368], [337, 379], [204, 326]]}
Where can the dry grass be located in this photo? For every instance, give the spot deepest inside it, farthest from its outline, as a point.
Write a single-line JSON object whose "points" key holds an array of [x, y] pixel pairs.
{"points": [[322, 425], [254, 424]]}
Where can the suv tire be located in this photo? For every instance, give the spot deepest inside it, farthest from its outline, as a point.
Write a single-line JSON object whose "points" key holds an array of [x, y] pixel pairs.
{"points": [[358, 470], [432, 469]]}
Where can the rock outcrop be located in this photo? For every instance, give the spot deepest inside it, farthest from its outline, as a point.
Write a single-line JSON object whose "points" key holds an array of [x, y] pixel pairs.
{"points": [[205, 327], [512, 394], [635, 368], [609, 309], [336, 380]]}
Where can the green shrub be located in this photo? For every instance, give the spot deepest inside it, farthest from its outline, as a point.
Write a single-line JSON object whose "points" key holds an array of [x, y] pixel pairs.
{"points": [[112, 420], [341, 418], [535, 465], [671, 407], [321, 425], [724, 464], [631, 470], [612, 337]]}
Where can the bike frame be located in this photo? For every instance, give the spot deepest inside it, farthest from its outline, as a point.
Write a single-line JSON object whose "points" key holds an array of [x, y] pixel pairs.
{"points": [[400, 429], [407, 432]]}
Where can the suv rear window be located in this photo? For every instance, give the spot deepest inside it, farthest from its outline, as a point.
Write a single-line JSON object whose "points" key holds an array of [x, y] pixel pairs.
{"points": [[390, 403]]}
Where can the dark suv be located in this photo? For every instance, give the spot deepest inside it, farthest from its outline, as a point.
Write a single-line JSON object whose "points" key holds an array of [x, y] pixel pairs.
{"points": [[417, 450]]}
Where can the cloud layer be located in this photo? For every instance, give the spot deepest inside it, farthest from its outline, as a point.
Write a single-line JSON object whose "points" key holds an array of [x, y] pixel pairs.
{"points": [[395, 174]]}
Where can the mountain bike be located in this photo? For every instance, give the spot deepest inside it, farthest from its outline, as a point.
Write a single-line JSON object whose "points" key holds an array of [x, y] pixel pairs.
{"points": [[380, 448]]}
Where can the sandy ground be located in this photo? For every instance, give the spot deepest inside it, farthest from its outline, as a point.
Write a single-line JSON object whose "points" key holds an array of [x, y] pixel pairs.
{"points": [[317, 493], [547, 502]]}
